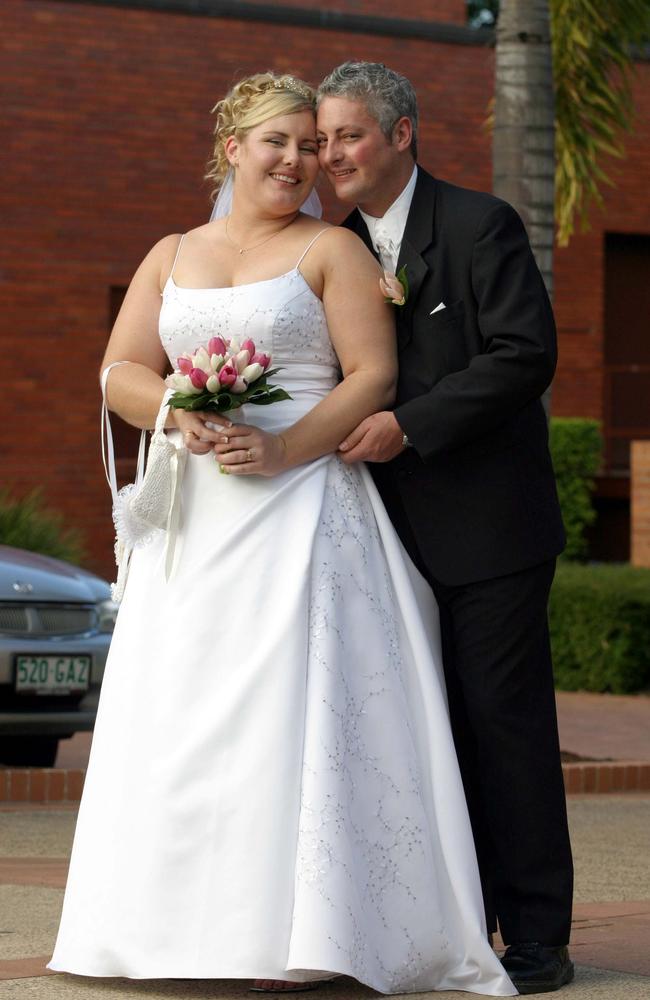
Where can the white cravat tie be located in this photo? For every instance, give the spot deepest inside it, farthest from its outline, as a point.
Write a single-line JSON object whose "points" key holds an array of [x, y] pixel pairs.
{"points": [[387, 250]]}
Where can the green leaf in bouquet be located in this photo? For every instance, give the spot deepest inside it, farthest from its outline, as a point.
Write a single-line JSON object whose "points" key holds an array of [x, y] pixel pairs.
{"points": [[222, 402], [182, 401], [272, 394]]}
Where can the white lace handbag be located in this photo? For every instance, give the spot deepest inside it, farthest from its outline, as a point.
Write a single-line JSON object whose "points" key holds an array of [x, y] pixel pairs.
{"points": [[151, 504]]}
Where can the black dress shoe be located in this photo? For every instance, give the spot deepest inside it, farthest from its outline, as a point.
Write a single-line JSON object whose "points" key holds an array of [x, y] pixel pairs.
{"points": [[537, 968]]}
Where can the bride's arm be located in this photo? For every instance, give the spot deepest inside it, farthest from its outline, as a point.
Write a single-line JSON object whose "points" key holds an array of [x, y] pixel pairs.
{"points": [[135, 391], [362, 330]]}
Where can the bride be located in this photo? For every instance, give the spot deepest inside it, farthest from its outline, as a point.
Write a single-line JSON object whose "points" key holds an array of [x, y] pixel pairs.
{"points": [[272, 792]]}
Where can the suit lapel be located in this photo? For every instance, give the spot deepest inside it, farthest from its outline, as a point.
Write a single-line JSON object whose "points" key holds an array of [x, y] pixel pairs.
{"points": [[355, 222], [418, 237]]}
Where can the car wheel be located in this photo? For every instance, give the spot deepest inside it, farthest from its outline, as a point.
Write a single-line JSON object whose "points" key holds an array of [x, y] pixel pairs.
{"points": [[28, 751]]}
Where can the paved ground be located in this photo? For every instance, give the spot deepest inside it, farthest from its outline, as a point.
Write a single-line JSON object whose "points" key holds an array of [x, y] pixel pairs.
{"points": [[610, 833], [604, 726], [611, 926]]}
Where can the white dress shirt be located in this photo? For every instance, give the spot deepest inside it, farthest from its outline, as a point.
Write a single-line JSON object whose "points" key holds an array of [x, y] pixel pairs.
{"points": [[386, 233]]}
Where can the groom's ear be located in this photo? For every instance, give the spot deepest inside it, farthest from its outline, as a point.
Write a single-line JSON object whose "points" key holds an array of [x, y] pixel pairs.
{"points": [[402, 133]]}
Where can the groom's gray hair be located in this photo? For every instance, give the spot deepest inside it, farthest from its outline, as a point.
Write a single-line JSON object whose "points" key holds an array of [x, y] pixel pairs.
{"points": [[387, 95]]}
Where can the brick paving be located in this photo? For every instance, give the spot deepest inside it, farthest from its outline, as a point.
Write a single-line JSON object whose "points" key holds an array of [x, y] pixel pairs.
{"points": [[604, 726], [611, 925]]}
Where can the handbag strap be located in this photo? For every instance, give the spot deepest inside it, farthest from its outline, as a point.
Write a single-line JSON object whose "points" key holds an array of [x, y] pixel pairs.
{"points": [[108, 449], [163, 411]]}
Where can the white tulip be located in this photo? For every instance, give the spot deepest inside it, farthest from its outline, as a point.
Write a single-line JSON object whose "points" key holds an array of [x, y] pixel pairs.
{"points": [[238, 385], [213, 384], [202, 360], [216, 362], [252, 372], [240, 360], [181, 383]]}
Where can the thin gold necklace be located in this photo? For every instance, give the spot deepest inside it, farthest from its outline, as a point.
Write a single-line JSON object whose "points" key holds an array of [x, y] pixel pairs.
{"points": [[241, 250]]}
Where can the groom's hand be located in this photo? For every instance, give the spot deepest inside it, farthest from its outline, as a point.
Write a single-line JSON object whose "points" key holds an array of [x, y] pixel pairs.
{"points": [[378, 438]]}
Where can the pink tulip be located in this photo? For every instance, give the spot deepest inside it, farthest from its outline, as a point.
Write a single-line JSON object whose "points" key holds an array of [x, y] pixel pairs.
{"points": [[261, 359], [216, 345], [239, 385], [198, 378], [184, 365], [392, 288], [228, 376], [249, 345]]}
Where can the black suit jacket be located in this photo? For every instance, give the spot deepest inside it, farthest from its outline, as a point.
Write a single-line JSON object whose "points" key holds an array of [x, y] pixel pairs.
{"points": [[477, 488]]}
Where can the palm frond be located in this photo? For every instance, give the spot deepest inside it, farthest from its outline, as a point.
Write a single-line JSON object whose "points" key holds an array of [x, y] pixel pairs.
{"points": [[593, 68]]}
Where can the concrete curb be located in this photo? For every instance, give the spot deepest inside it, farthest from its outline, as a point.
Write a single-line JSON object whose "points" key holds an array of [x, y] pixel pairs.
{"points": [[26, 784]]}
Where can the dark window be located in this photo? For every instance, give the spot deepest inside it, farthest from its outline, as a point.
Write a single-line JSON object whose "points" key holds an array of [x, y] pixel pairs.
{"points": [[627, 346]]}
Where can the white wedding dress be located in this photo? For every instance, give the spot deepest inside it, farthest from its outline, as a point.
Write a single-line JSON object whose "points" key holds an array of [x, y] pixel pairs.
{"points": [[272, 790]]}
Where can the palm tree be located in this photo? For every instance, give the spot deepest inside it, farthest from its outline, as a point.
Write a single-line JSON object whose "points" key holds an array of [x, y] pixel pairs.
{"points": [[592, 44], [523, 158]]}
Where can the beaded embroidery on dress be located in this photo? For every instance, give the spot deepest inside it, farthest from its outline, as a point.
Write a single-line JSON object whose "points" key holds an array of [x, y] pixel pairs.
{"points": [[273, 790]]}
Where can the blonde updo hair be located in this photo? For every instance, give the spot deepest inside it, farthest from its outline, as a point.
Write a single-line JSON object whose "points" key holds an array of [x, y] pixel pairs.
{"points": [[252, 101]]}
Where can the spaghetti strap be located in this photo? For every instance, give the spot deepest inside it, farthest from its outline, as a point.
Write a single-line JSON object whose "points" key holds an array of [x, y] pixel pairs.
{"points": [[178, 250], [310, 245]]}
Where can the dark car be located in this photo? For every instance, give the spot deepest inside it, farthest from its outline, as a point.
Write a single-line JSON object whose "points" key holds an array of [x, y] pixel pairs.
{"points": [[56, 622]]}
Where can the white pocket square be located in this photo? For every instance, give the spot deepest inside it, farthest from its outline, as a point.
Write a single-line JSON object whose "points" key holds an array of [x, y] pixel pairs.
{"points": [[440, 306]]}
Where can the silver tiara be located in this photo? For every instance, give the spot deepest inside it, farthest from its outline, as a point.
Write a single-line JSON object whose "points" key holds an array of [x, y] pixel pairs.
{"points": [[296, 86]]}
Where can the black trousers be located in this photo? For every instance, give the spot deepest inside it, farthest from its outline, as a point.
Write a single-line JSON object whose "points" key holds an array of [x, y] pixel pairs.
{"points": [[499, 676]]}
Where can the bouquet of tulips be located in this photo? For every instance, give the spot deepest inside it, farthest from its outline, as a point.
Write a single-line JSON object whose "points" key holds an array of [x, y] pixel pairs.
{"points": [[223, 376]]}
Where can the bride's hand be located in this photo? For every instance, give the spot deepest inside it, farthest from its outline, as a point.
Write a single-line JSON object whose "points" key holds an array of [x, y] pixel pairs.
{"points": [[198, 437], [248, 451]]}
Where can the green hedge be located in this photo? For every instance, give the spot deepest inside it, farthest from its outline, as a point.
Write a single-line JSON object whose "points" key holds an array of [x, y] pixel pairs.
{"points": [[26, 524], [576, 447], [600, 627]]}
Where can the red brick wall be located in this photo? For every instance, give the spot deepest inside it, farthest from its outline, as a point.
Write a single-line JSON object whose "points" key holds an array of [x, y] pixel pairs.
{"points": [[107, 131], [579, 291]]}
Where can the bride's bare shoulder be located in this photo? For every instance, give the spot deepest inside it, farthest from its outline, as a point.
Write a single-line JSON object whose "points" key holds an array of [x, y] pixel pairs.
{"points": [[160, 259], [341, 248], [334, 236]]}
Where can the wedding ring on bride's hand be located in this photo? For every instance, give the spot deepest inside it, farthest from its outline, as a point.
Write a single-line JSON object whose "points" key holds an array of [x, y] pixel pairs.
{"points": [[249, 455]]}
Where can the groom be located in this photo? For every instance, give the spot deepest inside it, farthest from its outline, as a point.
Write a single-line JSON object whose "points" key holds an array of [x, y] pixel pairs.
{"points": [[462, 464]]}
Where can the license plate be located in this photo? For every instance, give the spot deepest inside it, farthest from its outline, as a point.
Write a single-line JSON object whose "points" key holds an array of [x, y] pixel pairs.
{"points": [[52, 674]]}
